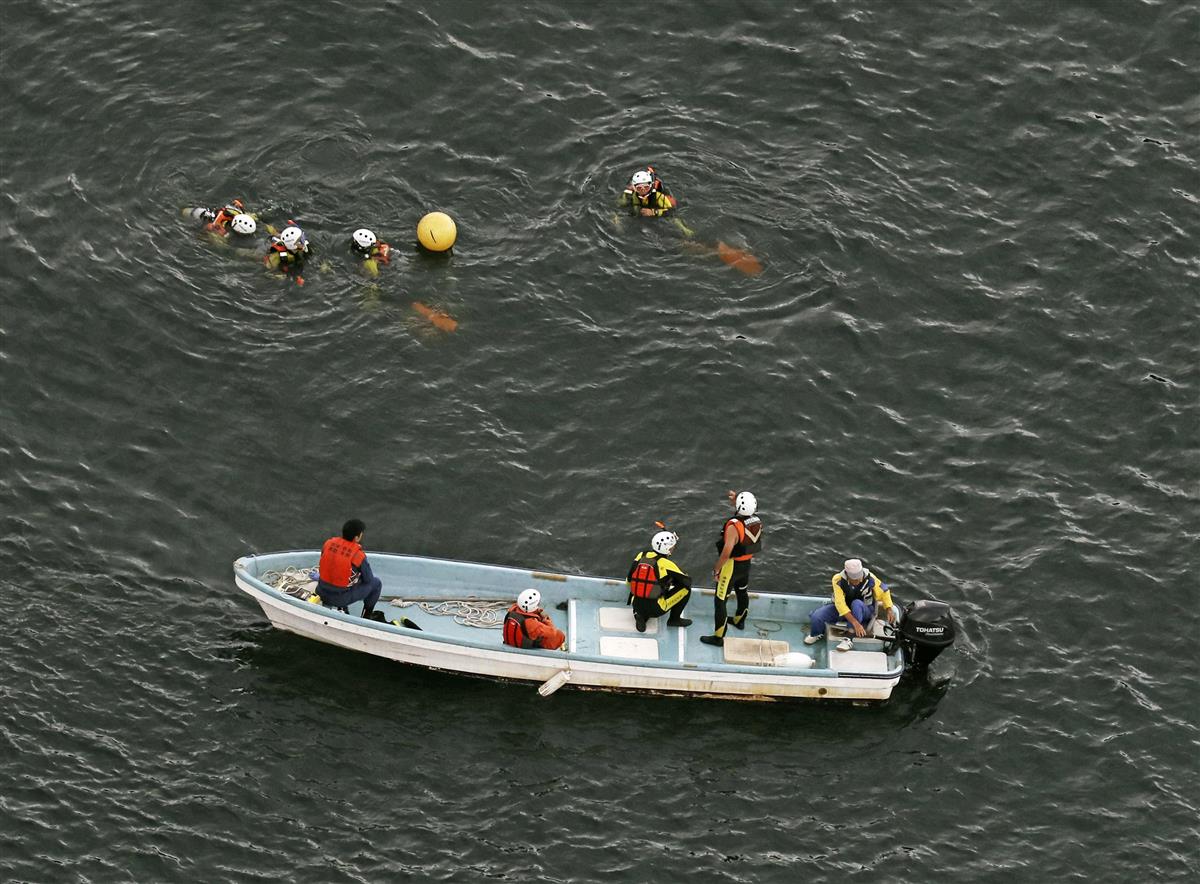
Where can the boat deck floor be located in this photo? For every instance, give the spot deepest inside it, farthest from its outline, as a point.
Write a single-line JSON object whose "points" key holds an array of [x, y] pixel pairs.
{"points": [[605, 628]]}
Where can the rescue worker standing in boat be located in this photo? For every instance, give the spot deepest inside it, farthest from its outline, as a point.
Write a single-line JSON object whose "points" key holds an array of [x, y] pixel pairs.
{"points": [[741, 538], [288, 252], [370, 250], [345, 575], [657, 585], [526, 625]]}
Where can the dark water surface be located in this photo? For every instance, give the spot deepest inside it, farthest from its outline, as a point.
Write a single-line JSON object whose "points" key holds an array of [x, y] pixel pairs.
{"points": [[972, 359]]}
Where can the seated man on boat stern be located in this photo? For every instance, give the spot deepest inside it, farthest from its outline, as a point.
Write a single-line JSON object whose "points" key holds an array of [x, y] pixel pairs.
{"points": [[526, 625], [345, 575], [740, 539], [856, 592], [657, 585]]}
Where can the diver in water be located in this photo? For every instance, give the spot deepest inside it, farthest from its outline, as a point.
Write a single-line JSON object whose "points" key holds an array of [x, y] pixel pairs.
{"points": [[217, 220], [229, 225], [370, 251], [288, 252], [646, 195]]}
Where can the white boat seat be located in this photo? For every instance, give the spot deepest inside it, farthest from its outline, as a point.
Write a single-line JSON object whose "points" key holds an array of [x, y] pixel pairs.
{"points": [[628, 646], [621, 620], [754, 651], [858, 661]]}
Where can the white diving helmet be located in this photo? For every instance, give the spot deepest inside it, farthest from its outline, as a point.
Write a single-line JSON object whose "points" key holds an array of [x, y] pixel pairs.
{"points": [[664, 542], [243, 223], [746, 504]]}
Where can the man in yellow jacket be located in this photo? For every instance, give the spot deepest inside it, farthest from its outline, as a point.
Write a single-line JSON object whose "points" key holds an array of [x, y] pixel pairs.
{"points": [[856, 593]]}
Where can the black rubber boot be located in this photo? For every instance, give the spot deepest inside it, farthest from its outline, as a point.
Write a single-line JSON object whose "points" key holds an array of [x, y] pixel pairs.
{"points": [[713, 640], [739, 620], [639, 621], [678, 621]]}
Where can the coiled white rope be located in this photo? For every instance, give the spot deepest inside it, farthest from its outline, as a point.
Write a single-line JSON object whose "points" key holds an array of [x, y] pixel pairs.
{"points": [[291, 580], [480, 613]]}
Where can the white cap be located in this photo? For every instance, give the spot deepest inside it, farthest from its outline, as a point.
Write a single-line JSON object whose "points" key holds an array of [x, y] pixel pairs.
{"points": [[853, 569]]}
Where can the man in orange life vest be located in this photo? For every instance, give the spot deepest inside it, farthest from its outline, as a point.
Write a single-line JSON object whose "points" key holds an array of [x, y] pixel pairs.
{"points": [[526, 625], [345, 574], [657, 585], [740, 539]]}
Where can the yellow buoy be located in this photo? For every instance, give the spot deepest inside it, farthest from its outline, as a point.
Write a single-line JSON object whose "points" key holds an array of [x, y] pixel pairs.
{"points": [[436, 231]]}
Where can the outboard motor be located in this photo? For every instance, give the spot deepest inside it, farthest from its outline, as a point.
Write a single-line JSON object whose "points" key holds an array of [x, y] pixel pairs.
{"points": [[926, 629]]}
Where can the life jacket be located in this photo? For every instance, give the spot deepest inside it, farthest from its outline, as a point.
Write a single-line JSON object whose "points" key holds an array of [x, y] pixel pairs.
{"points": [[864, 591], [287, 258], [381, 252], [643, 576], [749, 530], [515, 633], [224, 215], [339, 558]]}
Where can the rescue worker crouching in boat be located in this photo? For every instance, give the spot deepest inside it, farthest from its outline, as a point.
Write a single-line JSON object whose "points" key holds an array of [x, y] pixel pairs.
{"points": [[526, 625], [345, 575], [288, 252], [740, 539], [657, 585], [856, 592], [370, 250], [646, 195]]}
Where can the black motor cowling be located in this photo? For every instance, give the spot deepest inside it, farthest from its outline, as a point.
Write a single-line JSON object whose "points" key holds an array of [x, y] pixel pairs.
{"points": [[926, 629]]}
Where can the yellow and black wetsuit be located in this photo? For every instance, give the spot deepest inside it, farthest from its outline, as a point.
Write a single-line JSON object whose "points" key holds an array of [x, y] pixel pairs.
{"points": [[735, 573], [657, 199], [372, 258], [280, 258], [671, 591]]}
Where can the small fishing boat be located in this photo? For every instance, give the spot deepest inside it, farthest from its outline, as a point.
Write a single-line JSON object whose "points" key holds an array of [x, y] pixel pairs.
{"points": [[446, 615]]}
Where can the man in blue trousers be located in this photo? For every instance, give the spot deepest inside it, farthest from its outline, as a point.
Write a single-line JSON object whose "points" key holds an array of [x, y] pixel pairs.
{"points": [[856, 592], [345, 573]]}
